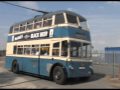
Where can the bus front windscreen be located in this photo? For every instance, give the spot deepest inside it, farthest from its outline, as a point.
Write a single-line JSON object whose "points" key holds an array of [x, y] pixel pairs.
{"points": [[78, 49]]}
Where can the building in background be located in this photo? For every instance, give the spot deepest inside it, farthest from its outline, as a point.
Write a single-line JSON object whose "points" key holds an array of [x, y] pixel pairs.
{"points": [[112, 55]]}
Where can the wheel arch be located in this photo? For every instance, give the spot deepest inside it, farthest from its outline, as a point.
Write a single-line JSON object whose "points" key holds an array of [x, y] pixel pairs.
{"points": [[54, 65]]}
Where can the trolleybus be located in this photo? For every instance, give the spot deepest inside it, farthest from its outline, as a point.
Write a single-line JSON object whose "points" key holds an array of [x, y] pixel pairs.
{"points": [[56, 45]]}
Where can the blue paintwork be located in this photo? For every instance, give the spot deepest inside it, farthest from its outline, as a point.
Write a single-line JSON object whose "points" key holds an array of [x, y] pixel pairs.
{"points": [[112, 49], [26, 65], [61, 32], [112, 55]]}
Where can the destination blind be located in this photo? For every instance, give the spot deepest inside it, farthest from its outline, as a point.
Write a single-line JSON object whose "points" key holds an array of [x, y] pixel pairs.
{"points": [[33, 35]]}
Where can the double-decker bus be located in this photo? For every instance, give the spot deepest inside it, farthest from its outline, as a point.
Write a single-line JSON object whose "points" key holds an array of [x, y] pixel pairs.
{"points": [[56, 45]]}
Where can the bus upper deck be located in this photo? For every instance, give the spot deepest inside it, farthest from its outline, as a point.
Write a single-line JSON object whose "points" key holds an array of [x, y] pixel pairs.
{"points": [[54, 25], [50, 20]]}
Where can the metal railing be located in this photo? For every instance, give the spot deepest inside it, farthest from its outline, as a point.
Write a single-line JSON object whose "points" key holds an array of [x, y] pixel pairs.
{"points": [[107, 63]]}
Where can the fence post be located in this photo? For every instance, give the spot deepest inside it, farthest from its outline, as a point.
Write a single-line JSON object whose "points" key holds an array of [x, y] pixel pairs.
{"points": [[113, 64], [119, 71]]}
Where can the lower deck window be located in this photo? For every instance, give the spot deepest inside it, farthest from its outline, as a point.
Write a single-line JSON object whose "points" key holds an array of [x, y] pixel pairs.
{"points": [[55, 52], [35, 50], [14, 49], [27, 49], [64, 51], [44, 50], [20, 51]]}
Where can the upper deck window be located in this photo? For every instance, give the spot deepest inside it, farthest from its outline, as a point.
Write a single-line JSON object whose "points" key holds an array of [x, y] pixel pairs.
{"points": [[83, 24], [38, 23], [72, 19], [11, 30], [29, 25], [22, 27], [47, 22], [59, 18], [16, 29]]}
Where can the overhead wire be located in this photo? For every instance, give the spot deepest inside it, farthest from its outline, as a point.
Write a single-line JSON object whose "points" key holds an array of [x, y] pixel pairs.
{"points": [[44, 12]]}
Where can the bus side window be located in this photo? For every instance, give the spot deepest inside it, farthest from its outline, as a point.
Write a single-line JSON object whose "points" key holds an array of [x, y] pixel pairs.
{"points": [[14, 49], [44, 50], [64, 51], [35, 50], [55, 51], [27, 49], [20, 49]]}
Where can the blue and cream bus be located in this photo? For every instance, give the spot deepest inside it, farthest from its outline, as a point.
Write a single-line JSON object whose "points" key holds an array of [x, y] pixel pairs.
{"points": [[56, 45]]}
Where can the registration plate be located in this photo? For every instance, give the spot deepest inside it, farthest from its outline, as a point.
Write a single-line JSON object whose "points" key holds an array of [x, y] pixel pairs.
{"points": [[81, 67]]}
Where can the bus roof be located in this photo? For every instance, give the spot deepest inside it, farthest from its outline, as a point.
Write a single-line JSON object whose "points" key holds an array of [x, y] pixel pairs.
{"points": [[49, 15]]}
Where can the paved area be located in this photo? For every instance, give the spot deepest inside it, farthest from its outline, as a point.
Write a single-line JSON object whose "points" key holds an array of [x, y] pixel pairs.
{"points": [[11, 80]]}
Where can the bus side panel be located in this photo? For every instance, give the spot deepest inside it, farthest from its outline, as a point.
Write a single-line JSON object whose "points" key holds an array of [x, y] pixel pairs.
{"points": [[25, 64], [8, 62], [46, 65], [29, 65]]}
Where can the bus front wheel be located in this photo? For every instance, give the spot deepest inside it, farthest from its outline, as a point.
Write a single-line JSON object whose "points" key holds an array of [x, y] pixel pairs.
{"points": [[15, 67], [59, 75]]}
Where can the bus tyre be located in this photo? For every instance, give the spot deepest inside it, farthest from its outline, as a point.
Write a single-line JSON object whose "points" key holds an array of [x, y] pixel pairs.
{"points": [[59, 75], [15, 67]]}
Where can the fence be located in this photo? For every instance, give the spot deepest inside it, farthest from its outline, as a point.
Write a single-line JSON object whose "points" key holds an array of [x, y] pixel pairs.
{"points": [[2, 53], [107, 63]]}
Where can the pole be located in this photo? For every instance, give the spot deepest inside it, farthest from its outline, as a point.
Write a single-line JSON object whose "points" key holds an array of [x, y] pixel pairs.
{"points": [[113, 64]]}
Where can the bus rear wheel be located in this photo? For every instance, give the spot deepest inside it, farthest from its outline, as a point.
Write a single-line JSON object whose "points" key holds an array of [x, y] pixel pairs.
{"points": [[15, 67], [59, 75]]}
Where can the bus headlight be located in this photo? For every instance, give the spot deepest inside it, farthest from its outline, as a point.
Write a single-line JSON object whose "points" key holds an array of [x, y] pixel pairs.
{"points": [[91, 67], [71, 67]]}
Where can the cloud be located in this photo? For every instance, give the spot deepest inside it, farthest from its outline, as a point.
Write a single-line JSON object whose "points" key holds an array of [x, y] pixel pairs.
{"points": [[104, 31], [72, 9], [113, 2], [30, 4]]}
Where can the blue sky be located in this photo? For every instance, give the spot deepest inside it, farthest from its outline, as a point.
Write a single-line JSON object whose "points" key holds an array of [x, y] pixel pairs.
{"points": [[103, 18]]}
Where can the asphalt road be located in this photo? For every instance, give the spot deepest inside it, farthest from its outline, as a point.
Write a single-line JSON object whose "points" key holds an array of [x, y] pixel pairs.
{"points": [[11, 80]]}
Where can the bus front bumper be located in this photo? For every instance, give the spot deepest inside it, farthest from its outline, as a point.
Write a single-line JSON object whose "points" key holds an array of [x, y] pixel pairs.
{"points": [[76, 70]]}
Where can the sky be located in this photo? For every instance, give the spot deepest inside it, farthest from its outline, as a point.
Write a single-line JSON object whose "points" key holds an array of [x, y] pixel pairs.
{"points": [[103, 18]]}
